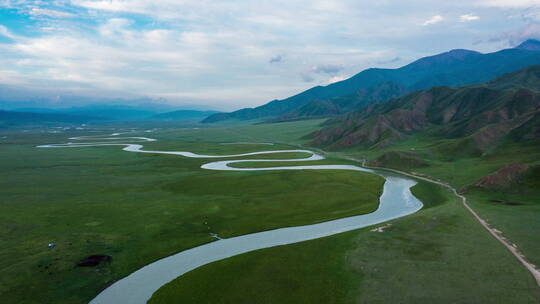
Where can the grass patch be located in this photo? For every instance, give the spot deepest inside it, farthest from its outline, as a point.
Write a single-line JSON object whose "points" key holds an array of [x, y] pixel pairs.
{"points": [[285, 274], [429, 193], [327, 161], [518, 223]]}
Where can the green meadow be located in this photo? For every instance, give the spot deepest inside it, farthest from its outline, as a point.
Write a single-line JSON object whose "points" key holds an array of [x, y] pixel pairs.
{"points": [[438, 255], [138, 207], [447, 161]]}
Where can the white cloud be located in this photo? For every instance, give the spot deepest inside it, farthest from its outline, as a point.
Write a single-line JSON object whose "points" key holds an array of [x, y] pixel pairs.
{"points": [[468, 17], [433, 20], [35, 11], [307, 77], [114, 27], [112, 5], [5, 32], [510, 3], [163, 9], [11, 77], [327, 68], [220, 50], [336, 79], [513, 38]]}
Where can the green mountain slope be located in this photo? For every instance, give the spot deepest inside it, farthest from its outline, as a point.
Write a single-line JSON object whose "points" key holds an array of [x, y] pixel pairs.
{"points": [[340, 105], [528, 77], [476, 117]]}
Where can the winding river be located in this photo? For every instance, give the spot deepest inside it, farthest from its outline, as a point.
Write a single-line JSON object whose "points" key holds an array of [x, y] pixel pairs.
{"points": [[396, 201]]}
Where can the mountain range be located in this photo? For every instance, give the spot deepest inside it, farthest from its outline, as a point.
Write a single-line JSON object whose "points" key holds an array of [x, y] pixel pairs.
{"points": [[9, 119], [454, 68], [474, 118], [182, 115], [96, 114]]}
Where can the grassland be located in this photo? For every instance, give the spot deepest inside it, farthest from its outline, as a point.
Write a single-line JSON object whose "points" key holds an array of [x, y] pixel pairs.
{"points": [[141, 207], [519, 223], [439, 255], [288, 133], [327, 161], [448, 161]]}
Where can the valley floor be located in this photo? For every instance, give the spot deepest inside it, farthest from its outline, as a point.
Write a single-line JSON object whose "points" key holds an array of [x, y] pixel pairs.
{"points": [[139, 208], [438, 255], [441, 254]]}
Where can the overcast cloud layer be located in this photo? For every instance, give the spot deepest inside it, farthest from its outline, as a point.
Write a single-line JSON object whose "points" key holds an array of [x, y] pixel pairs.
{"points": [[231, 54]]}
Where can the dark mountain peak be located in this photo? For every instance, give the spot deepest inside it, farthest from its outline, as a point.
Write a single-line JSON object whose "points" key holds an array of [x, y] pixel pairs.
{"points": [[445, 58], [460, 53], [529, 45]]}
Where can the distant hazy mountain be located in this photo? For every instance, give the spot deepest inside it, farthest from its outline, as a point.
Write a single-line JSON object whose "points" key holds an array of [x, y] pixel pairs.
{"points": [[98, 114], [531, 45], [184, 115], [16, 97], [112, 112], [476, 117], [453, 68], [15, 119], [124, 112]]}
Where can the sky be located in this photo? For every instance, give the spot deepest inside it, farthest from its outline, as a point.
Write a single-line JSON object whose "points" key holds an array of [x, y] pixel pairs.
{"points": [[229, 54]]}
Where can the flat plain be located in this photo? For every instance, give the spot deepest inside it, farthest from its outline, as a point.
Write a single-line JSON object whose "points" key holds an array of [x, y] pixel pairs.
{"points": [[138, 208]]}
